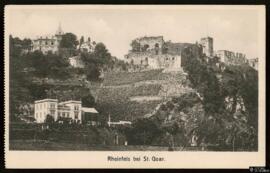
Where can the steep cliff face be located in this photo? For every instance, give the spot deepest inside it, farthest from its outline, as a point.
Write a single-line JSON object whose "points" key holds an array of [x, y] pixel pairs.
{"points": [[218, 111], [184, 119]]}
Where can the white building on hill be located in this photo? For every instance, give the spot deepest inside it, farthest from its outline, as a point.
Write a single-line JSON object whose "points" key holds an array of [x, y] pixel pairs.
{"points": [[47, 44], [76, 62], [71, 109], [87, 46]]}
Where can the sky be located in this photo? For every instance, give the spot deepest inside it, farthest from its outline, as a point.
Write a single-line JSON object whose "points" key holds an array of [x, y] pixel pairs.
{"points": [[233, 28]]}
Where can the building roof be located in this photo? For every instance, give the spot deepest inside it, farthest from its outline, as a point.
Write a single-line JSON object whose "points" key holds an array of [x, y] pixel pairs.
{"points": [[63, 107], [46, 100], [89, 110], [49, 37], [71, 101], [125, 122]]}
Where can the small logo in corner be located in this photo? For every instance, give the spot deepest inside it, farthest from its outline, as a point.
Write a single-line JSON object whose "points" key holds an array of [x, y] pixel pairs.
{"points": [[259, 169]]}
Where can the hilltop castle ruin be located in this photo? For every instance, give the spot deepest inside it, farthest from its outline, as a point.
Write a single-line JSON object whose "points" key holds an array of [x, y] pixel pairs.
{"points": [[155, 53]]}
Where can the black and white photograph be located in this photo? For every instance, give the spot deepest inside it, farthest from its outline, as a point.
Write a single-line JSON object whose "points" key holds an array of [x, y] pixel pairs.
{"points": [[175, 79]]}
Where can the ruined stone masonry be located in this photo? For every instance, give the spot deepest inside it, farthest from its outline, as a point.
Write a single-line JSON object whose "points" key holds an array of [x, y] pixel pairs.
{"points": [[155, 53]]}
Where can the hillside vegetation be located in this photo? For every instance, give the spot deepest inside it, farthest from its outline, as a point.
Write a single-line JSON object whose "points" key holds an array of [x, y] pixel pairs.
{"points": [[122, 78], [205, 106], [35, 75], [117, 95], [221, 112]]}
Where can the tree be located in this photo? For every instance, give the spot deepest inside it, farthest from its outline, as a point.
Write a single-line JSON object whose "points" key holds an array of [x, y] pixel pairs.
{"points": [[26, 43], [92, 72], [96, 61], [19, 82], [242, 81], [81, 41], [53, 65], [88, 101], [69, 40], [102, 53], [49, 119], [144, 132]]}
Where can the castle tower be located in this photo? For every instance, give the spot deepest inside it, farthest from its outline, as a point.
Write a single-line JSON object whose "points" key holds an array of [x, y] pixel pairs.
{"points": [[59, 31], [207, 45]]}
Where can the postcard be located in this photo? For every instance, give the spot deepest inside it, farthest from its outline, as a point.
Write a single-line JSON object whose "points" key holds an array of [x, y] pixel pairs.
{"points": [[134, 86]]}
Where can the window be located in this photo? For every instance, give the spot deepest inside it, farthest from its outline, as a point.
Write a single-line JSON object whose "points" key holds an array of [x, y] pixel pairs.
{"points": [[76, 107], [52, 43], [46, 43], [67, 114], [52, 105], [172, 58], [76, 115], [145, 47], [52, 112]]}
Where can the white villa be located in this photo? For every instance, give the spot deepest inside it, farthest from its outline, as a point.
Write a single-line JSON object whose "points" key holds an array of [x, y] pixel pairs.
{"points": [[70, 109], [48, 43]]}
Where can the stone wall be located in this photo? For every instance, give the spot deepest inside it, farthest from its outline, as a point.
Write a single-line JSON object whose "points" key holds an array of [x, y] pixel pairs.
{"points": [[207, 44], [167, 55], [229, 57], [153, 61], [178, 48], [154, 43]]}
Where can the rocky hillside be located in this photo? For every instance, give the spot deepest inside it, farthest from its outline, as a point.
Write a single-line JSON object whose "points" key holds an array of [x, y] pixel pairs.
{"points": [[129, 95]]}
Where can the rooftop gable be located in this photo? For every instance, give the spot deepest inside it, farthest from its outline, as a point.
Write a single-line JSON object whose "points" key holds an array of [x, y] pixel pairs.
{"points": [[46, 100]]}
